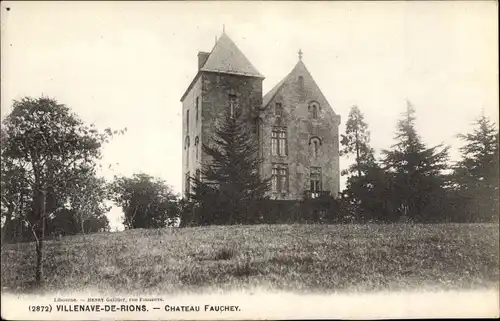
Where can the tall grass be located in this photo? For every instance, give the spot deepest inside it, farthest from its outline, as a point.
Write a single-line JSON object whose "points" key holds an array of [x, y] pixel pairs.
{"points": [[281, 257]]}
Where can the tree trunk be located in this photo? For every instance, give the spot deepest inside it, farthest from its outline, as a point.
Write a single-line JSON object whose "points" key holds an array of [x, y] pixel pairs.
{"points": [[82, 225], [6, 229], [40, 239]]}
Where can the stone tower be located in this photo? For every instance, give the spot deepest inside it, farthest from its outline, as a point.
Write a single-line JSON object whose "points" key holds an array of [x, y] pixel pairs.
{"points": [[226, 80]]}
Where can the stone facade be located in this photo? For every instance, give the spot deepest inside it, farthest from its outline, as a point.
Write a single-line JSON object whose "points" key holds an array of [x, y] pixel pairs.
{"points": [[296, 127], [298, 107]]}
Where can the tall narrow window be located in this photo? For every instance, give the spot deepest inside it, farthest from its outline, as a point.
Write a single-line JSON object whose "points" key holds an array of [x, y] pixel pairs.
{"points": [[188, 184], [279, 141], [315, 181], [314, 110], [233, 106], [198, 175], [186, 147], [315, 144], [197, 108], [274, 180], [274, 142], [196, 147], [278, 109], [279, 178], [282, 143], [187, 121], [301, 82]]}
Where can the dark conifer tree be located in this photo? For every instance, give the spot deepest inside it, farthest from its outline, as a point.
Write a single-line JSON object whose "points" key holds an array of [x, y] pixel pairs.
{"points": [[476, 175], [417, 172], [367, 184], [229, 181]]}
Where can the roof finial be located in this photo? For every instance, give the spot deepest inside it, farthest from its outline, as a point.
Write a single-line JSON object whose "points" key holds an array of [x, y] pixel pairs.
{"points": [[223, 28], [300, 54]]}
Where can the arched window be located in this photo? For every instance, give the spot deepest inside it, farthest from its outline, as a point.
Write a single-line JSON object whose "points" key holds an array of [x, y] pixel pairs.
{"points": [[186, 147], [315, 148], [196, 147], [314, 109], [233, 103], [315, 143]]}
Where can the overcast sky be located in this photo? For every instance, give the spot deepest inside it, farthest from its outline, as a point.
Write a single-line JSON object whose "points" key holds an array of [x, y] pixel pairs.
{"points": [[127, 64]]}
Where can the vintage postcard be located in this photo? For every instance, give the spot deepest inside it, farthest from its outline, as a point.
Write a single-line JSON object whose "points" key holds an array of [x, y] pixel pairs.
{"points": [[243, 160]]}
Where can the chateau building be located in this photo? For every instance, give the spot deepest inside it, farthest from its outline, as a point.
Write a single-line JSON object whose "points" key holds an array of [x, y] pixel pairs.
{"points": [[295, 126]]}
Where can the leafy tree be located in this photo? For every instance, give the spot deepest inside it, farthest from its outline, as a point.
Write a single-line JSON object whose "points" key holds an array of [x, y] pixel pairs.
{"points": [[15, 194], [65, 222], [230, 180], [477, 174], [87, 197], [416, 170], [147, 202], [48, 144]]}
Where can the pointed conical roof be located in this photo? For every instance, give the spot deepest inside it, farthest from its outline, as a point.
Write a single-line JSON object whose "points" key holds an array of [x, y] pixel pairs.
{"points": [[227, 58]]}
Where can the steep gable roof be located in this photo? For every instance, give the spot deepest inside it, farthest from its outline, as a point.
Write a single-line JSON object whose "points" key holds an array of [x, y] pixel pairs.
{"points": [[227, 58], [299, 70], [271, 93]]}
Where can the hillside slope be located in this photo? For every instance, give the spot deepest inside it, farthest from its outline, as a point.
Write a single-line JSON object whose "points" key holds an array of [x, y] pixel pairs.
{"points": [[284, 257]]}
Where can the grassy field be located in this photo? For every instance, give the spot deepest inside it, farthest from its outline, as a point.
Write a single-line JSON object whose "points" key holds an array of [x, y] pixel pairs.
{"points": [[333, 258]]}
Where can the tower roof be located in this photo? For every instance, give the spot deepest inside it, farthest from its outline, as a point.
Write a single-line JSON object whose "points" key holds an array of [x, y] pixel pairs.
{"points": [[227, 58]]}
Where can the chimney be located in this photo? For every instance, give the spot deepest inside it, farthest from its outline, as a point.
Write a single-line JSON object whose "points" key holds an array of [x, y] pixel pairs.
{"points": [[202, 58]]}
